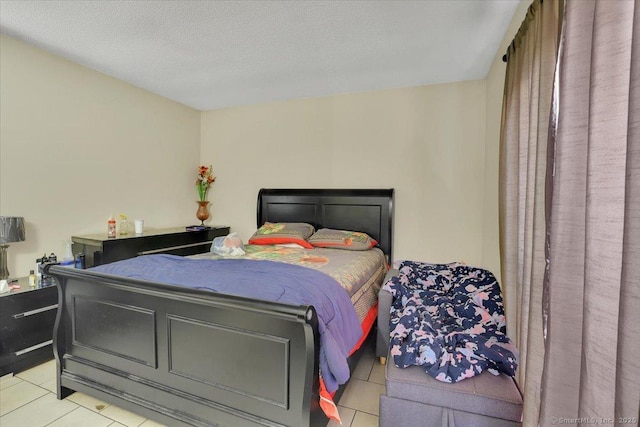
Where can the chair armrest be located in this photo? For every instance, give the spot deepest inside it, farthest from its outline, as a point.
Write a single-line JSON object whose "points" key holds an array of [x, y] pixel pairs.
{"points": [[384, 305]]}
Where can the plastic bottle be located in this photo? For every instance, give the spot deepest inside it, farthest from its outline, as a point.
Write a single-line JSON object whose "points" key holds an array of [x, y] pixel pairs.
{"points": [[38, 273], [111, 227], [68, 253], [33, 279], [124, 225], [67, 258], [80, 261]]}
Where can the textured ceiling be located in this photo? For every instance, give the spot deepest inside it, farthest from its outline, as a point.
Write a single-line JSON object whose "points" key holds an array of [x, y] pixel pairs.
{"points": [[215, 54]]}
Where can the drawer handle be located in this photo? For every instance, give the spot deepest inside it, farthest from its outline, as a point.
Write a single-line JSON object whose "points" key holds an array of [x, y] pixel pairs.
{"points": [[190, 245], [33, 347], [32, 312]]}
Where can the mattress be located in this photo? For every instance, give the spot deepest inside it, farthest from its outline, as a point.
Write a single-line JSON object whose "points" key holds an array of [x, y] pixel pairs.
{"points": [[360, 273]]}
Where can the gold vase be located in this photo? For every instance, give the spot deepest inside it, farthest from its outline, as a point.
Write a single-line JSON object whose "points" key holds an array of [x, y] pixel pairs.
{"points": [[203, 213]]}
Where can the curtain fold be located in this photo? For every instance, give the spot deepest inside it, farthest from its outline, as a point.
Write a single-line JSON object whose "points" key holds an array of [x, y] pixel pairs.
{"points": [[523, 160], [570, 211], [592, 290]]}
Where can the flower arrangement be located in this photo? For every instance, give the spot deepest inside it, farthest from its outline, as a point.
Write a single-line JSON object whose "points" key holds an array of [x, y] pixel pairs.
{"points": [[204, 181]]}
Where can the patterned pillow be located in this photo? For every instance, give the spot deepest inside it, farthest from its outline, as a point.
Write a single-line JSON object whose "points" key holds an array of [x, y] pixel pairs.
{"points": [[273, 233], [342, 239]]}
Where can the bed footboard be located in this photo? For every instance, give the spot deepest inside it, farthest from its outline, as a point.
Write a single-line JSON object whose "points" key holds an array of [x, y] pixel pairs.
{"points": [[183, 356]]}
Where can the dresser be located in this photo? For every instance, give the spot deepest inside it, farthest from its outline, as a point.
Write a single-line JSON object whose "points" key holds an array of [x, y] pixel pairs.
{"points": [[27, 316], [99, 249]]}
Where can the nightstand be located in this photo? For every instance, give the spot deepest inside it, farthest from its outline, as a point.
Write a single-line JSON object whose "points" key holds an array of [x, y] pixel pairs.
{"points": [[99, 249], [27, 316]]}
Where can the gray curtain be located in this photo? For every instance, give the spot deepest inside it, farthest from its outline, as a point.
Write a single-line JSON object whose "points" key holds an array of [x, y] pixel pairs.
{"points": [[591, 295], [523, 161], [570, 211]]}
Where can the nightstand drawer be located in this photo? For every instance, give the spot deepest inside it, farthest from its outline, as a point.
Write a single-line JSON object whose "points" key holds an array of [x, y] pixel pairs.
{"points": [[25, 303], [27, 331], [27, 317]]}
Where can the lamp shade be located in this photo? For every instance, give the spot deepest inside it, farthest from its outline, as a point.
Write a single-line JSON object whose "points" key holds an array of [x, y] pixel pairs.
{"points": [[11, 229]]}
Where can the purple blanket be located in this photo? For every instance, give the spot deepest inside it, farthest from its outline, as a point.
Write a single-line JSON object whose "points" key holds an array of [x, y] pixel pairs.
{"points": [[266, 280]]}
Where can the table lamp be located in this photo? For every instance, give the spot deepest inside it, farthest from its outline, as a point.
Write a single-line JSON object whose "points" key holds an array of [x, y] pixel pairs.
{"points": [[11, 230]]}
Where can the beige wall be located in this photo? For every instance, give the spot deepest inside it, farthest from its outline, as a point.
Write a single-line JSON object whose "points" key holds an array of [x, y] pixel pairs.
{"points": [[77, 146], [426, 142], [438, 146]]}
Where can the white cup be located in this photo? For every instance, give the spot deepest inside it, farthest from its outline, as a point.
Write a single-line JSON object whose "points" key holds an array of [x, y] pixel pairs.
{"points": [[139, 225], [4, 286]]}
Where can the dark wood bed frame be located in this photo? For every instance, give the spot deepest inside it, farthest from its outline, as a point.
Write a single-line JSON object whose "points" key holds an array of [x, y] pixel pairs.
{"points": [[191, 357]]}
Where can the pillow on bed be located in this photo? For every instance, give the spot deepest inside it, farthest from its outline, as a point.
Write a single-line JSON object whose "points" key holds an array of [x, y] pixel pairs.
{"points": [[342, 239], [273, 233]]}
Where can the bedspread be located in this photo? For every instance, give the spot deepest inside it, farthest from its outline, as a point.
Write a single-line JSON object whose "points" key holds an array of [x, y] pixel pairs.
{"points": [[351, 269], [449, 318], [338, 323]]}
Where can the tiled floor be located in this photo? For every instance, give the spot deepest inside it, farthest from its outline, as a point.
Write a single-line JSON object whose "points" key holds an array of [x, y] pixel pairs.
{"points": [[28, 399]]}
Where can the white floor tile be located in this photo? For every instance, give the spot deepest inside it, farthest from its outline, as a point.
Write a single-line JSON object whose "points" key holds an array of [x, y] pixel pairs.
{"points": [[151, 423], [18, 395], [50, 385], [8, 381], [89, 402], [363, 419], [377, 373], [122, 416], [363, 368], [39, 374], [38, 413], [81, 417], [362, 396], [346, 415]]}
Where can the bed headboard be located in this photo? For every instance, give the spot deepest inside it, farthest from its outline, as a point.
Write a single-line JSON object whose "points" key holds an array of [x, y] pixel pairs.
{"points": [[366, 210]]}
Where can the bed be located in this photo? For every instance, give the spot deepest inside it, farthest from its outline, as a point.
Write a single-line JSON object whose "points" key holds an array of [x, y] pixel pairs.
{"points": [[165, 351]]}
